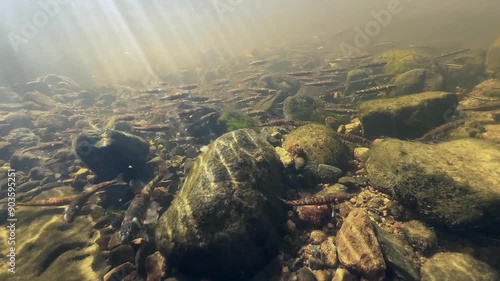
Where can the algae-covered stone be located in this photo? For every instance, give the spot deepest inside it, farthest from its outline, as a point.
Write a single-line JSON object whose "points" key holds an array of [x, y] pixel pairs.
{"points": [[354, 75], [455, 183], [493, 58], [410, 82], [457, 267], [108, 153], [225, 221], [401, 61], [396, 256], [318, 144], [280, 82], [489, 88], [420, 236], [408, 116]]}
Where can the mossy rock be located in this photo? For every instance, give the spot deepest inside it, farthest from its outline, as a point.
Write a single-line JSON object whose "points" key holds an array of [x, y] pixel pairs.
{"points": [[489, 88], [466, 76], [401, 61], [493, 58], [225, 222], [410, 82], [457, 267], [406, 117], [280, 82], [235, 120], [454, 183], [48, 248], [318, 144]]}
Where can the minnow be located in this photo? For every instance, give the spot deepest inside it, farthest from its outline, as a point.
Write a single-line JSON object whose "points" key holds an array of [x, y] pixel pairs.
{"points": [[152, 127], [197, 98], [282, 122], [153, 91], [340, 110], [249, 99], [77, 203], [253, 77], [175, 96], [253, 113], [134, 215], [257, 62], [51, 202], [339, 33], [188, 87], [372, 65], [236, 91], [213, 101], [452, 53], [375, 89], [190, 111], [335, 70], [233, 99], [354, 139], [360, 81], [263, 91], [203, 119], [322, 83], [321, 200], [300, 73], [360, 57], [45, 146], [439, 131], [182, 139], [383, 44], [221, 82]]}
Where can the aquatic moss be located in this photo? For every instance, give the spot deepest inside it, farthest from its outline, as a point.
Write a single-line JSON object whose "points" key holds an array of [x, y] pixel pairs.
{"points": [[400, 61], [455, 183], [235, 120]]}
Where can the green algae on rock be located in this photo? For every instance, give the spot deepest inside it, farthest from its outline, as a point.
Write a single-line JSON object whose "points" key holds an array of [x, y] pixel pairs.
{"points": [[319, 145], [305, 108], [464, 71], [416, 81], [454, 183], [489, 88], [408, 116], [457, 267], [226, 220], [400, 61], [235, 120]]}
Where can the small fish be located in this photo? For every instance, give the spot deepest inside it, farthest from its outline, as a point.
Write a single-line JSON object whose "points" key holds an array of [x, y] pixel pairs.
{"points": [[57, 201], [45, 146], [252, 77], [263, 91], [236, 91], [441, 130], [80, 200], [205, 118], [152, 127], [182, 139], [339, 33], [176, 96], [197, 98], [383, 44], [249, 99], [335, 70], [340, 110], [153, 91], [322, 200], [253, 113], [190, 111], [375, 89], [322, 83], [258, 62], [137, 209], [283, 122], [300, 73], [359, 140], [452, 53], [372, 65], [188, 87]]}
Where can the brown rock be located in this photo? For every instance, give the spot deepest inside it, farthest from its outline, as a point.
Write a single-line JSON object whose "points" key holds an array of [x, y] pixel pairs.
{"points": [[358, 247], [317, 237], [342, 274], [329, 252]]}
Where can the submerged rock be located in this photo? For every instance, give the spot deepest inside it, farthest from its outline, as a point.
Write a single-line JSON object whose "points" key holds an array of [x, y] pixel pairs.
{"points": [[417, 81], [225, 222], [455, 183], [358, 247], [400, 61], [489, 88], [9, 96], [408, 116], [457, 267], [108, 153], [464, 71]]}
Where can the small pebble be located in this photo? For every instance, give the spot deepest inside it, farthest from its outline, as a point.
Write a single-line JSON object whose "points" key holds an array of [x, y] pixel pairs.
{"points": [[317, 237]]}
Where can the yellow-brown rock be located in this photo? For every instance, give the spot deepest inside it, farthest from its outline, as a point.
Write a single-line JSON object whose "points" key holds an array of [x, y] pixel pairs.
{"points": [[358, 247]]}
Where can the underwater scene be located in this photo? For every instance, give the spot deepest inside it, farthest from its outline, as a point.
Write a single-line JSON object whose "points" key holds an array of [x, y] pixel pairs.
{"points": [[250, 140]]}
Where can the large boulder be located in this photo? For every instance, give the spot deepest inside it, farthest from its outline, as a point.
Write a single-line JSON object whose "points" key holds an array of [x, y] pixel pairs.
{"points": [[318, 145], [464, 70], [108, 153], [488, 89], [454, 183], [408, 116], [458, 267], [401, 61], [417, 81], [225, 221]]}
